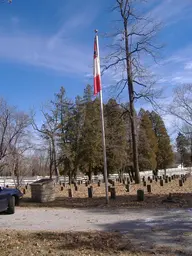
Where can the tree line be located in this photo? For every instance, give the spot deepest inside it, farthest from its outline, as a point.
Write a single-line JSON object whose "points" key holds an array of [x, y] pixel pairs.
{"points": [[71, 139], [72, 132]]}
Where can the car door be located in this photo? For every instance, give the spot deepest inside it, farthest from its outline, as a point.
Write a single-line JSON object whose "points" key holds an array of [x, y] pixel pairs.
{"points": [[3, 202]]}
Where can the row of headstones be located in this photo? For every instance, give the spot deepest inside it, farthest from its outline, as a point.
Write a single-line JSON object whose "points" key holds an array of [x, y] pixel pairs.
{"points": [[79, 182], [90, 192], [111, 190], [126, 182]]}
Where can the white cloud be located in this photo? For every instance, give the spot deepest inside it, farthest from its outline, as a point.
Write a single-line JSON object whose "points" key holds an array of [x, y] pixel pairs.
{"points": [[60, 51], [188, 65], [35, 50], [169, 11]]}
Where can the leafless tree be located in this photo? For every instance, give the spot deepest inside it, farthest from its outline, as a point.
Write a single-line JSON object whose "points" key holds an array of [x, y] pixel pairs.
{"points": [[48, 132], [13, 125], [181, 106], [133, 41]]}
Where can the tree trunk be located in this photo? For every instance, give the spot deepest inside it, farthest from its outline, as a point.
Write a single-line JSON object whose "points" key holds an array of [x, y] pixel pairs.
{"points": [[50, 161], [56, 171], [132, 112], [90, 173]]}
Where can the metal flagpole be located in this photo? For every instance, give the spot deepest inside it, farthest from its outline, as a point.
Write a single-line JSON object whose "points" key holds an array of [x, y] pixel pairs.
{"points": [[103, 129]]}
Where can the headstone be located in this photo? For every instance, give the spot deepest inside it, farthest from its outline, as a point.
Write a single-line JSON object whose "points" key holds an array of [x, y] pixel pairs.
{"points": [[70, 193], [149, 188], [140, 195], [113, 193], [127, 188], [90, 192]]}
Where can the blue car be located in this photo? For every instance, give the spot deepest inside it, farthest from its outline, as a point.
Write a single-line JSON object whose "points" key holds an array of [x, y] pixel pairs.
{"points": [[9, 197]]}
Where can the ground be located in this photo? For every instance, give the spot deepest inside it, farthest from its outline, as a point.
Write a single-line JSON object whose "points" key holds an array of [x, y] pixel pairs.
{"points": [[181, 195], [83, 226]]}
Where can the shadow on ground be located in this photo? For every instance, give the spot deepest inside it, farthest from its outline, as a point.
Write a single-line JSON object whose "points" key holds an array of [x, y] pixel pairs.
{"points": [[167, 231], [129, 201]]}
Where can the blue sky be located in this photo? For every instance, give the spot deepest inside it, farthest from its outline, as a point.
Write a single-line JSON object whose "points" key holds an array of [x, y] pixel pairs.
{"points": [[46, 44]]}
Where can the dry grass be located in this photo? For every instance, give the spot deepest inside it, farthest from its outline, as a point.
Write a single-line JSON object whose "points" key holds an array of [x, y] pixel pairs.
{"points": [[181, 195], [23, 243], [14, 243]]}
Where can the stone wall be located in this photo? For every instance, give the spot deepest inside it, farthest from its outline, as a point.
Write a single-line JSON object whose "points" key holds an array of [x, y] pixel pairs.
{"points": [[43, 191]]}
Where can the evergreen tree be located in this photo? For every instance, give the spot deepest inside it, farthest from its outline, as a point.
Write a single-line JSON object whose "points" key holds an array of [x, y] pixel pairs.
{"points": [[182, 149], [147, 143], [62, 113], [116, 139], [91, 140], [164, 152]]}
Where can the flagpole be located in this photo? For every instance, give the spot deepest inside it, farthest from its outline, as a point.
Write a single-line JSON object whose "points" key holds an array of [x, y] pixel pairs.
{"points": [[103, 133]]}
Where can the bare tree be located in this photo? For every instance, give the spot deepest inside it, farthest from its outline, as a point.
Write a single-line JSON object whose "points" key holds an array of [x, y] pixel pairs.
{"points": [[13, 125], [133, 41], [181, 106], [48, 132]]}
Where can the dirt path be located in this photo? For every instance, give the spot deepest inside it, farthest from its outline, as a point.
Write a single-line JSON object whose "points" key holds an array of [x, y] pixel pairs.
{"points": [[145, 227]]}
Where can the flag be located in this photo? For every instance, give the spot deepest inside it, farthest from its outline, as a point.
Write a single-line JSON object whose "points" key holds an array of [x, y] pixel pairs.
{"points": [[96, 67]]}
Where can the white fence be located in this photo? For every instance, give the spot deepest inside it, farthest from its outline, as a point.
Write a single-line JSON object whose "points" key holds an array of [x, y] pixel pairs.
{"points": [[12, 181]]}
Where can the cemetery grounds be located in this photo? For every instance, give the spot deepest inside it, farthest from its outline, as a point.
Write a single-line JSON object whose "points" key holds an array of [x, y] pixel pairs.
{"points": [[140, 239]]}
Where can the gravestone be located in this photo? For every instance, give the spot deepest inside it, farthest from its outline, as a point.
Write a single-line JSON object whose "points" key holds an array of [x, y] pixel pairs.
{"points": [[113, 193], [140, 195], [70, 194], [149, 188], [90, 192]]}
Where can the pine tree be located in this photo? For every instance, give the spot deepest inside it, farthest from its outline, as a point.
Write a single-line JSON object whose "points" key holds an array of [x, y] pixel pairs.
{"points": [[182, 149], [164, 152], [62, 114], [91, 140], [116, 139], [147, 143]]}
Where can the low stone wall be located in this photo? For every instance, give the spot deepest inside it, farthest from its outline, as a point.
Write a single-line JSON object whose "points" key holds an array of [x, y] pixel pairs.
{"points": [[43, 190]]}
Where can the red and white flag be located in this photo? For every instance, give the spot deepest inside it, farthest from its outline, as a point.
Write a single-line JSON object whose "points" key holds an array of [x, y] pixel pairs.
{"points": [[96, 67]]}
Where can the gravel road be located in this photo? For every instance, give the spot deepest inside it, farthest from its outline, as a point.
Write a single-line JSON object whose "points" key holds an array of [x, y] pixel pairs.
{"points": [[156, 226]]}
